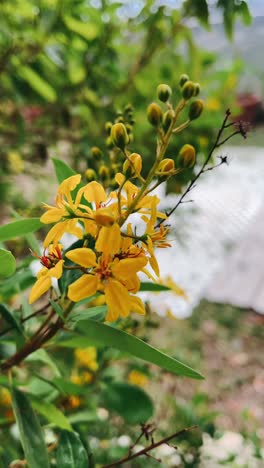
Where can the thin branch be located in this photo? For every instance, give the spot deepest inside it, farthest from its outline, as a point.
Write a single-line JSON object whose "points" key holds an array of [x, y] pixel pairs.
{"points": [[150, 447]]}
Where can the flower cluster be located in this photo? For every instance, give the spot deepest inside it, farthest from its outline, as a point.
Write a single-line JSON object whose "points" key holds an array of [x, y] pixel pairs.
{"points": [[111, 266], [110, 253]]}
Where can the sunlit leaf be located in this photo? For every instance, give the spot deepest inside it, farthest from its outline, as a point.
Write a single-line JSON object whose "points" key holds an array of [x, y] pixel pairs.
{"points": [[51, 413], [42, 87], [62, 170], [19, 228], [71, 452], [87, 30], [7, 263]]}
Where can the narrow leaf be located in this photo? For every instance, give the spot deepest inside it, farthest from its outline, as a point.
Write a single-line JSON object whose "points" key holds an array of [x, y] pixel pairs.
{"points": [[148, 286], [10, 318], [19, 228], [36, 82], [96, 313], [99, 334], [42, 356], [30, 431], [87, 30], [62, 170], [7, 263], [71, 452], [51, 413], [57, 308]]}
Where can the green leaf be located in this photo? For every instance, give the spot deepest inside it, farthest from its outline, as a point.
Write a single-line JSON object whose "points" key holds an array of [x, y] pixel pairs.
{"points": [[10, 318], [130, 401], [36, 82], [199, 9], [96, 313], [62, 170], [99, 334], [31, 436], [7, 263], [83, 416], [87, 30], [148, 286], [57, 308], [71, 452], [51, 413], [243, 10], [19, 228], [43, 356]]}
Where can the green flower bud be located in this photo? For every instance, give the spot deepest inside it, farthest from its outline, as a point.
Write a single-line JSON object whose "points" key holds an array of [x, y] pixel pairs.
{"points": [[119, 135], [108, 126], [103, 173], [188, 90], [109, 142], [90, 174], [163, 92], [186, 158], [196, 108], [96, 152], [167, 119], [197, 89], [129, 108], [129, 128], [183, 79], [154, 114]]}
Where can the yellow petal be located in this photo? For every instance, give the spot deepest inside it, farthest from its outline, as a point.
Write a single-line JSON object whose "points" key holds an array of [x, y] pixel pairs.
{"points": [[136, 305], [109, 240], [82, 256], [56, 271], [104, 217], [55, 234], [53, 215], [154, 265], [69, 184], [83, 287], [132, 284], [128, 267], [117, 300], [41, 286], [94, 192]]}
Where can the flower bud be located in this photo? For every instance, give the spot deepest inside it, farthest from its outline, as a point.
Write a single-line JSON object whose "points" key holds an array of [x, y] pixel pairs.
{"points": [[154, 114], [163, 92], [109, 142], [103, 173], [119, 135], [183, 79], [167, 119], [186, 158], [108, 126], [133, 165], [197, 89], [196, 108], [188, 90], [96, 152], [129, 128], [90, 174], [166, 166]]}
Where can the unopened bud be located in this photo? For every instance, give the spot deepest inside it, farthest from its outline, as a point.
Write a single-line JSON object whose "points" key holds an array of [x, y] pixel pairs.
{"points": [[154, 114], [103, 173], [166, 166], [109, 142], [186, 158], [167, 119], [197, 89], [90, 174], [196, 108], [129, 108], [108, 126], [119, 135], [164, 92], [183, 79], [188, 90], [129, 128], [133, 165], [96, 152], [120, 119]]}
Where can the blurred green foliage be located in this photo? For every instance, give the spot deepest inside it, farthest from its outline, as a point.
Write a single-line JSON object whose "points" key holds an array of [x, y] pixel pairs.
{"points": [[67, 66]]}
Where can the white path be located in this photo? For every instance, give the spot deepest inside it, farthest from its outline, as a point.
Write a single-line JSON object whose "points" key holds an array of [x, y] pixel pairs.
{"points": [[208, 232]]}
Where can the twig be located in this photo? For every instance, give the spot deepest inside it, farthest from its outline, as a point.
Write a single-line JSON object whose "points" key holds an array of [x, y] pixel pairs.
{"points": [[149, 448], [203, 169]]}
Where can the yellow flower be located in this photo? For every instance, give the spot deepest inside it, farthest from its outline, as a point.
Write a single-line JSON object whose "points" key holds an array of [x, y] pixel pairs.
{"points": [[74, 401], [53, 268], [136, 377], [114, 273], [87, 357], [15, 162]]}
